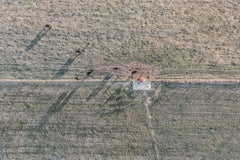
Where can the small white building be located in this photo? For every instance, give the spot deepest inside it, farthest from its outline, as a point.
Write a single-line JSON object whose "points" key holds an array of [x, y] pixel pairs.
{"points": [[139, 85]]}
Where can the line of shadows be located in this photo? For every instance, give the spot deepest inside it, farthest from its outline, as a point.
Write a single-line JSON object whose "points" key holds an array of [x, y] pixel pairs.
{"points": [[62, 100], [100, 86], [66, 65], [41, 34], [118, 102], [116, 94]]}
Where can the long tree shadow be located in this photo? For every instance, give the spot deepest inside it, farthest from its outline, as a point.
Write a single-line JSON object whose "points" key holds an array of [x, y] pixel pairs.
{"points": [[117, 102], [100, 86], [116, 94], [39, 36], [66, 65], [62, 100]]}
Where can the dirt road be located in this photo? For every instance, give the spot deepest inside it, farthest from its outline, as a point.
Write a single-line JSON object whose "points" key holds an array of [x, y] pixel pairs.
{"points": [[176, 80]]}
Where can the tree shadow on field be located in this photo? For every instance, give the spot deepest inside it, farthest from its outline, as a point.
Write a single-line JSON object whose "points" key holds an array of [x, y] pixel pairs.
{"points": [[100, 86], [117, 102], [39, 36], [116, 94], [62, 100], [66, 65]]}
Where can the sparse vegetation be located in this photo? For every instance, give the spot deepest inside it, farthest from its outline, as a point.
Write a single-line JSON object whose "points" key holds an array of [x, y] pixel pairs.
{"points": [[89, 40]]}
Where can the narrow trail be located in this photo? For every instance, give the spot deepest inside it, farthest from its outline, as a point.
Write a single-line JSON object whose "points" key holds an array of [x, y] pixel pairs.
{"points": [[147, 103], [177, 80]]}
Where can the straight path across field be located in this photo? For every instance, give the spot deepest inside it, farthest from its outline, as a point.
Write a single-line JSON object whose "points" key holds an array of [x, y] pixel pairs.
{"points": [[176, 80]]}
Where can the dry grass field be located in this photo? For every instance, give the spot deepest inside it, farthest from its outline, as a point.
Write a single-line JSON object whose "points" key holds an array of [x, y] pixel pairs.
{"points": [[65, 70], [79, 121], [183, 38]]}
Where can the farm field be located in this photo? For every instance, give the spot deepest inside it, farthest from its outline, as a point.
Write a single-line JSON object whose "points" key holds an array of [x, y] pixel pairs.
{"points": [[179, 38], [92, 120], [66, 72]]}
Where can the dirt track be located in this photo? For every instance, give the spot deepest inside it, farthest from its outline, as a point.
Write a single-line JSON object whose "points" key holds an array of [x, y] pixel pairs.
{"points": [[49, 111], [176, 80]]}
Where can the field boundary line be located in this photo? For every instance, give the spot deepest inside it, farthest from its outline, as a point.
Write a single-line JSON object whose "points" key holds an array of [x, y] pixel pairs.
{"points": [[177, 80]]}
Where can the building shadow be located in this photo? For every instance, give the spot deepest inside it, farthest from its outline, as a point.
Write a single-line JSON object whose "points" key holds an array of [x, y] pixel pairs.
{"points": [[67, 64], [39, 36]]}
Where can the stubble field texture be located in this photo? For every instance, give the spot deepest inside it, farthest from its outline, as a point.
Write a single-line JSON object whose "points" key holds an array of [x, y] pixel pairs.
{"points": [[66, 69]]}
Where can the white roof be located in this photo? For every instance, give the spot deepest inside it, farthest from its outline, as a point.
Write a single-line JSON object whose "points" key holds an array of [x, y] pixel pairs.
{"points": [[141, 85]]}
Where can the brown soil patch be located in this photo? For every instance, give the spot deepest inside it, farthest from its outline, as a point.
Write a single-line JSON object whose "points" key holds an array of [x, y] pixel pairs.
{"points": [[132, 71]]}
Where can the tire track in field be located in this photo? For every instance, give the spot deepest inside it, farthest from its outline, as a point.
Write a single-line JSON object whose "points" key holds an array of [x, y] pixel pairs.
{"points": [[147, 103]]}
